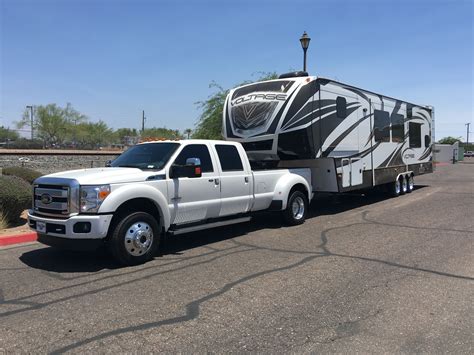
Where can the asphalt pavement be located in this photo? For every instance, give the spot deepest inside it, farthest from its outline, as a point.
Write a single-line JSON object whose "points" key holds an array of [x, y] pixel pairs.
{"points": [[365, 273]]}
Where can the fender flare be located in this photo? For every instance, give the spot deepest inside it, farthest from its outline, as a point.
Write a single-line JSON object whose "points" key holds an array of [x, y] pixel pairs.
{"points": [[132, 191], [285, 184]]}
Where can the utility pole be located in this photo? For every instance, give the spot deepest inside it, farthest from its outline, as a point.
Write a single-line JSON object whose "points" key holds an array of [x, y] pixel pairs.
{"points": [[143, 121], [31, 117], [467, 138]]}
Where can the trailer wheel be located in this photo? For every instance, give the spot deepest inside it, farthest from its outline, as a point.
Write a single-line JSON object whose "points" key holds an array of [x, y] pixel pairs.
{"points": [[410, 183], [135, 238], [403, 185], [296, 209], [395, 188]]}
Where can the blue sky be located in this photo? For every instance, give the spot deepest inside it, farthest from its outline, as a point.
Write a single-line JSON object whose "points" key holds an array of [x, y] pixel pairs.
{"points": [[113, 58]]}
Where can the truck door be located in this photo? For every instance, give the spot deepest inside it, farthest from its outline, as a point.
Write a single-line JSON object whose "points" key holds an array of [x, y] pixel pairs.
{"points": [[236, 183], [195, 199]]}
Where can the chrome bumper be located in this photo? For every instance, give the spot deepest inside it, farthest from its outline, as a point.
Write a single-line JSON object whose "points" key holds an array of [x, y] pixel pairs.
{"points": [[64, 228]]}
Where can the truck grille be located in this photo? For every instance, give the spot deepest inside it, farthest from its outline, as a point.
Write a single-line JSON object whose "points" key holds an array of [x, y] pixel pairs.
{"points": [[51, 200]]}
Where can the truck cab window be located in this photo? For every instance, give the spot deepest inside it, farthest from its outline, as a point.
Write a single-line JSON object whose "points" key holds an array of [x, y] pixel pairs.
{"points": [[414, 131], [229, 158], [196, 151], [381, 126]]}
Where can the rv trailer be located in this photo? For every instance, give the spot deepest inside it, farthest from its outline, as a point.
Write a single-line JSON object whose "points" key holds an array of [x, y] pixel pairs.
{"points": [[351, 138]]}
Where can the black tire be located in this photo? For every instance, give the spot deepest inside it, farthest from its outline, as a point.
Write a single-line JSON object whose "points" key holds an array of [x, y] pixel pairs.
{"points": [[404, 185], [135, 238], [410, 183], [394, 188], [296, 209]]}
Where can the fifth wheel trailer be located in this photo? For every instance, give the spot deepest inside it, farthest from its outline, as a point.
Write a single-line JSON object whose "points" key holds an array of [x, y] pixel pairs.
{"points": [[351, 138]]}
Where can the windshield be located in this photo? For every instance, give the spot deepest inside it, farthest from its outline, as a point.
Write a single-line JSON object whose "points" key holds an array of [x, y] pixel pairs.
{"points": [[149, 156]]}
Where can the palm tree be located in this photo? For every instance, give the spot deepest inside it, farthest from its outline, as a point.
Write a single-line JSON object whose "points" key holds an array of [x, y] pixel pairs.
{"points": [[188, 131]]}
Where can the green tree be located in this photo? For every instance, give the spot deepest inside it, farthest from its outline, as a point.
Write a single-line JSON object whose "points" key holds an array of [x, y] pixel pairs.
{"points": [[100, 134], [188, 132], [53, 124], [161, 133], [7, 134], [449, 140], [209, 125], [122, 135]]}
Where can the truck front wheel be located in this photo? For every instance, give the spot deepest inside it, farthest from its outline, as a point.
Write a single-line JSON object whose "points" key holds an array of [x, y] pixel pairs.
{"points": [[135, 238], [296, 209]]}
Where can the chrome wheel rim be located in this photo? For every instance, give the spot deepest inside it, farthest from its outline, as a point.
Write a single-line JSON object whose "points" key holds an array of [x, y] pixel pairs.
{"points": [[397, 187], [297, 207], [138, 238], [411, 184]]}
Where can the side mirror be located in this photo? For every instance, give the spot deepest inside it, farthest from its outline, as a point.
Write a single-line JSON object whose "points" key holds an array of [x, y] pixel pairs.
{"points": [[108, 163], [192, 169]]}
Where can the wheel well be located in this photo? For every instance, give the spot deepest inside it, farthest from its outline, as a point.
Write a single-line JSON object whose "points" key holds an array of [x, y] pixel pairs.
{"points": [[299, 187], [136, 205]]}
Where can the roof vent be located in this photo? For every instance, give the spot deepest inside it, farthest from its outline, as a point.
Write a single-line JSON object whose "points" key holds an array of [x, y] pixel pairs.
{"points": [[293, 74]]}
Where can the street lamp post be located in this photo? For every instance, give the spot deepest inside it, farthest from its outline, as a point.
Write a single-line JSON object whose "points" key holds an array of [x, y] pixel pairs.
{"points": [[304, 40], [31, 117]]}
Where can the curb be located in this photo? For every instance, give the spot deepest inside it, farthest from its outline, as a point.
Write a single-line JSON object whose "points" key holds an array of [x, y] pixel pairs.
{"points": [[18, 239]]}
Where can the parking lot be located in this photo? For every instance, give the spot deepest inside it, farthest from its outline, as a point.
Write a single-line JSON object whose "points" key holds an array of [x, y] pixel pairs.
{"points": [[365, 273]]}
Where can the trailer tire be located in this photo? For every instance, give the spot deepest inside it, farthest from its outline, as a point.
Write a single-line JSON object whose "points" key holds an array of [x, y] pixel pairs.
{"points": [[296, 209], [403, 185], [135, 238], [395, 188], [410, 184]]}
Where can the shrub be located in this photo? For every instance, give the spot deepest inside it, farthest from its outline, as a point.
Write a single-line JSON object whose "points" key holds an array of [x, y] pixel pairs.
{"points": [[26, 174], [23, 143], [15, 196]]}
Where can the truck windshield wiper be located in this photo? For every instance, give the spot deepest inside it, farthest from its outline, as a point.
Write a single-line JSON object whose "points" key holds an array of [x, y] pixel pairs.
{"points": [[146, 167], [126, 166]]}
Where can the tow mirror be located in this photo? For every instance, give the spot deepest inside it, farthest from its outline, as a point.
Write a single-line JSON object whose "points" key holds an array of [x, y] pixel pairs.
{"points": [[192, 169], [108, 163]]}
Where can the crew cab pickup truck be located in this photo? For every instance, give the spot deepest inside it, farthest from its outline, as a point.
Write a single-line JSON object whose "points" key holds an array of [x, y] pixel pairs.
{"points": [[161, 187]]}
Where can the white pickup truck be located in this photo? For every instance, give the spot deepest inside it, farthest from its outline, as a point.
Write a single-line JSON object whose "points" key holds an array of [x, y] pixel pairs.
{"points": [[161, 187]]}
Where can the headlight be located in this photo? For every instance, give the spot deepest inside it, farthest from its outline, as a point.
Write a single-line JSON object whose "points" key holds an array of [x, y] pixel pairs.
{"points": [[93, 196]]}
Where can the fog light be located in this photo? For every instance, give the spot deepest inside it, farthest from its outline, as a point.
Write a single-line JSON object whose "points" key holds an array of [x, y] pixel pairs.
{"points": [[82, 227]]}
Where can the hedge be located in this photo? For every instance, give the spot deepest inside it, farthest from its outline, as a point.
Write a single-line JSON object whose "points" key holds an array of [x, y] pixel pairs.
{"points": [[15, 196], [26, 174]]}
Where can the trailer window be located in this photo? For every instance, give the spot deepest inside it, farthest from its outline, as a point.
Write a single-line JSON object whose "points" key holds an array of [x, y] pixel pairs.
{"points": [[398, 128], [427, 141], [381, 126], [414, 132], [341, 105], [196, 151], [229, 158]]}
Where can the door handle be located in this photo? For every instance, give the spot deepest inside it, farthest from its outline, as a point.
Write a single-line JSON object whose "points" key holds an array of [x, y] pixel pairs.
{"points": [[246, 179], [211, 180], [216, 181]]}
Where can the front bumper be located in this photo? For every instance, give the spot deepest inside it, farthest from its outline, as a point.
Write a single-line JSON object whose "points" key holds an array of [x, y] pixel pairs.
{"points": [[64, 228]]}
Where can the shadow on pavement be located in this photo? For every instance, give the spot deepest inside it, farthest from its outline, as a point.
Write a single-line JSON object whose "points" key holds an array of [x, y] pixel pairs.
{"points": [[66, 261], [63, 261]]}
